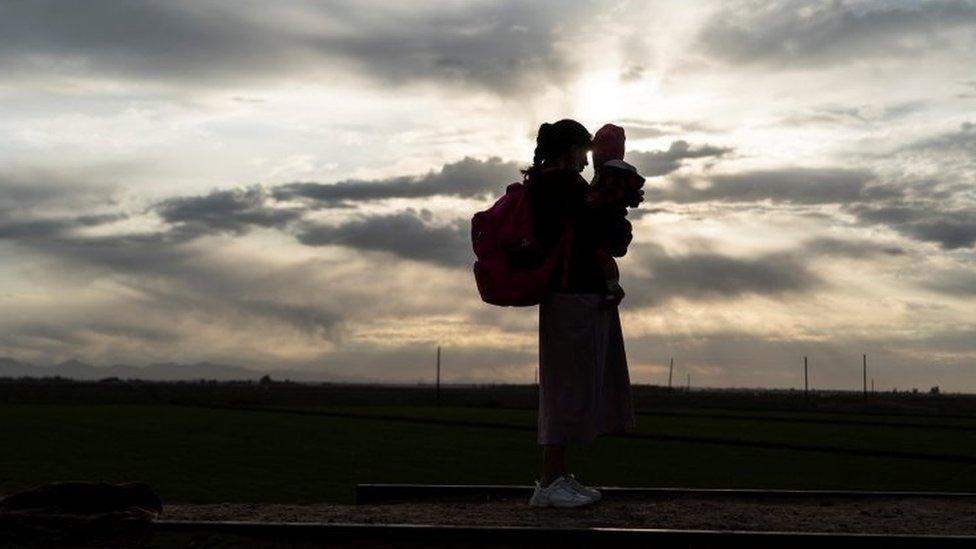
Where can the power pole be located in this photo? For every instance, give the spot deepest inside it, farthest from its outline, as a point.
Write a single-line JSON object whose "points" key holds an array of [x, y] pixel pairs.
{"points": [[438, 375], [864, 371], [688, 388], [670, 373], [806, 381]]}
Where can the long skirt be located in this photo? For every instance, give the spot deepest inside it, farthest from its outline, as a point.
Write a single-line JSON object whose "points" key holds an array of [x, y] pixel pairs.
{"points": [[584, 386]]}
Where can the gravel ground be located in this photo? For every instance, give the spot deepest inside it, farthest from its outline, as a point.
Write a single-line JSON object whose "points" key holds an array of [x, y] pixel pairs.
{"points": [[883, 515]]}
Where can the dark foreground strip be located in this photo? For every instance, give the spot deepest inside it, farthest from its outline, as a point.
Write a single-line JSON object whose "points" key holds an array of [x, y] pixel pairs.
{"points": [[888, 413], [425, 535], [390, 493], [819, 421], [950, 458]]}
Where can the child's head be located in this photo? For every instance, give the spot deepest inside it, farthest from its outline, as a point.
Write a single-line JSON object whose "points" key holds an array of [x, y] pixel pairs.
{"points": [[608, 144]]}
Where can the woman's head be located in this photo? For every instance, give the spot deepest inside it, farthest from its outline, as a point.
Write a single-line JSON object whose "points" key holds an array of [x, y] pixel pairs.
{"points": [[563, 144]]}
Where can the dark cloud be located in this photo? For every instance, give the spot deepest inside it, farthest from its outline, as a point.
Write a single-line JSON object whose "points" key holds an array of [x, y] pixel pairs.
{"points": [[33, 189], [152, 39], [838, 247], [709, 276], [172, 279], [14, 229], [48, 332], [784, 185], [408, 234], [312, 320], [924, 221], [507, 47], [234, 210], [794, 33], [404, 234], [948, 234], [466, 178], [163, 267], [113, 328], [654, 163], [16, 225], [963, 140]]}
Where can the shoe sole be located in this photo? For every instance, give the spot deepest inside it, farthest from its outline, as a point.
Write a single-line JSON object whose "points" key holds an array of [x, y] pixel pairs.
{"points": [[563, 506]]}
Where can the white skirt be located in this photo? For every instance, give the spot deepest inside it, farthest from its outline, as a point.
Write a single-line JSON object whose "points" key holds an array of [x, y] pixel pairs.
{"points": [[584, 386]]}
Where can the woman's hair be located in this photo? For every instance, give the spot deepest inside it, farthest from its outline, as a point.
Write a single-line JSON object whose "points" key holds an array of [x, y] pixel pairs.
{"points": [[555, 140]]}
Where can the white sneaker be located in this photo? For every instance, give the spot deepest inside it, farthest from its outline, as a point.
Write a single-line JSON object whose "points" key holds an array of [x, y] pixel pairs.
{"points": [[591, 493], [560, 493]]}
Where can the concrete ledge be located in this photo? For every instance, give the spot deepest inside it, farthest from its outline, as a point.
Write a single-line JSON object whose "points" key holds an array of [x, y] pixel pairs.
{"points": [[410, 535], [389, 493]]}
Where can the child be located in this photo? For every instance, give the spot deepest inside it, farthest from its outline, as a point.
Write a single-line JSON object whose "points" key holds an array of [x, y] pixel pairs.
{"points": [[616, 186]]}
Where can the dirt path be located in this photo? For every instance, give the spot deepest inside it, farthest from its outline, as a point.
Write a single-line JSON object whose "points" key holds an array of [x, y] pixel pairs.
{"points": [[892, 516]]}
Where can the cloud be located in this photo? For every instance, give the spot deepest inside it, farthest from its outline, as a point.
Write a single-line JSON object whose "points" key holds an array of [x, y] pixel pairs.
{"points": [[924, 221], [234, 210], [709, 276], [636, 128], [312, 320], [856, 114], [38, 189], [784, 185], [466, 178], [654, 163], [962, 140], [793, 33], [506, 48], [13, 229], [403, 234], [957, 282], [838, 247], [632, 73], [948, 234], [15, 225], [407, 234]]}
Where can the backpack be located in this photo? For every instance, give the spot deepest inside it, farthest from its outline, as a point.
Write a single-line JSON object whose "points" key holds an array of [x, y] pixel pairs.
{"points": [[512, 268]]}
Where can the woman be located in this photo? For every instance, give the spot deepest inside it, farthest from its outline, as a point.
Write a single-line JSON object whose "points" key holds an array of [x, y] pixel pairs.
{"points": [[584, 386]]}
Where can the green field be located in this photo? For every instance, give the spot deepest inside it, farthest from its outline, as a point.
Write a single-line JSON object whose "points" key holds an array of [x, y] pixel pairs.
{"points": [[269, 453]]}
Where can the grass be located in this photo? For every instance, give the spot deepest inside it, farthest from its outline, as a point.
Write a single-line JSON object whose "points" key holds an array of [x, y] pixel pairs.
{"points": [[919, 438], [213, 455]]}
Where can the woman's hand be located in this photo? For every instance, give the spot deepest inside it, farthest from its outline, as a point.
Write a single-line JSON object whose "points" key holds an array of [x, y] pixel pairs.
{"points": [[614, 296]]}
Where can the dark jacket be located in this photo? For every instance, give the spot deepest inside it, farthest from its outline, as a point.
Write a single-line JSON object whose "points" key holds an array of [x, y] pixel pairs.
{"points": [[557, 198]]}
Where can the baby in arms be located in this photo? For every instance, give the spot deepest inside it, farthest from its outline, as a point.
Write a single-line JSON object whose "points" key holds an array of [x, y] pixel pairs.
{"points": [[616, 186]]}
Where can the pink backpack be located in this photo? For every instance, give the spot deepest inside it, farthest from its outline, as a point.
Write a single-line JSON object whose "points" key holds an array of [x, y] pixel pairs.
{"points": [[512, 270]]}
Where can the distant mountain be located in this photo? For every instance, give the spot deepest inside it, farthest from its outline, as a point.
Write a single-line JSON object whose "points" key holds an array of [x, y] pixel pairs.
{"points": [[162, 371]]}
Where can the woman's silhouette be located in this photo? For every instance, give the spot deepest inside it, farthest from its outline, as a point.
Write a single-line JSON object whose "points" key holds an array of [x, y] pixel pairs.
{"points": [[584, 386]]}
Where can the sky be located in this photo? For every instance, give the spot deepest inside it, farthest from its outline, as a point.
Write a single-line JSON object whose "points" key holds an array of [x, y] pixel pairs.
{"points": [[289, 185]]}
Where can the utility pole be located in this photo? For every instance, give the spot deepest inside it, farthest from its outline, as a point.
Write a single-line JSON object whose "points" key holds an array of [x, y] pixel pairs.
{"points": [[806, 381], [688, 388], [872, 385], [670, 373], [438, 375], [864, 371]]}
